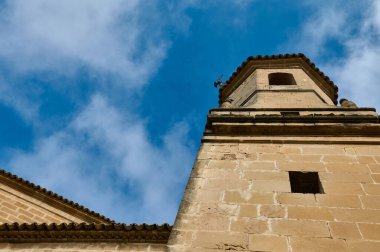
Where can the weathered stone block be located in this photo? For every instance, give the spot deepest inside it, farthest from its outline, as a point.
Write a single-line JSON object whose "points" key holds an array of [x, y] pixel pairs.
{"points": [[269, 186], [317, 245], [356, 215], [370, 231], [229, 184], [370, 201], [348, 201], [300, 166], [218, 208], [296, 199], [249, 226], [363, 246], [375, 168], [344, 230], [349, 168], [290, 149], [273, 176], [377, 158], [373, 189], [220, 240], [263, 148], [365, 159], [222, 164], [304, 158], [342, 188], [339, 159], [367, 150], [207, 196], [256, 166], [272, 211], [268, 243], [239, 197], [248, 211], [345, 177], [376, 178], [309, 213], [212, 222], [320, 149], [300, 228], [271, 157]]}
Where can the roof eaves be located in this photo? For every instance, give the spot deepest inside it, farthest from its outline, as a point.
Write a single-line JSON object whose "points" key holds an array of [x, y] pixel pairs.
{"points": [[83, 232]]}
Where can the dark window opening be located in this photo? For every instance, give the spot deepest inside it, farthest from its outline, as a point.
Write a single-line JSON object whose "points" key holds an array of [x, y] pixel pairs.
{"points": [[290, 113], [281, 79], [305, 182]]}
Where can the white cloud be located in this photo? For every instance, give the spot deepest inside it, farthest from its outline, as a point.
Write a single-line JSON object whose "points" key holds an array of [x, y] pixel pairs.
{"points": [[118, 44], [355, 27], [326, 24], [103, 158], [107, 36], [132, 180]]}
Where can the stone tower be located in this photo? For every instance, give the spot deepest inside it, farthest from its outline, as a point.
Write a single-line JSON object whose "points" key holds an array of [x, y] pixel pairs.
{"points": [[282, 167]]}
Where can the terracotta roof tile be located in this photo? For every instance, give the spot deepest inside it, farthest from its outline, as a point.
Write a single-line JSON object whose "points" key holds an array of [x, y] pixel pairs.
{"points": [[83, 232]]}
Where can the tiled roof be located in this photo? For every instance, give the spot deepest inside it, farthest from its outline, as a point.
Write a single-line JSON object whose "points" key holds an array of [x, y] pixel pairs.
{"points": [[283, 56], [84, 232], [52, 198]]}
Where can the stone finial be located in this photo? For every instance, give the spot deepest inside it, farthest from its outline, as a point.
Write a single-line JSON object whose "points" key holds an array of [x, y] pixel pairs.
{"points": [[227, 103], [347, 104]]}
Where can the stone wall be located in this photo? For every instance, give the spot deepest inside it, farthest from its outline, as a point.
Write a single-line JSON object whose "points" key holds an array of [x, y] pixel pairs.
{"points": [[18, 207], [239, 198]]}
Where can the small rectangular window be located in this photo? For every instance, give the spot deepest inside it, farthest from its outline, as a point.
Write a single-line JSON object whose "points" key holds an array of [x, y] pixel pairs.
{"points": [[281, 79], [305, 182]]}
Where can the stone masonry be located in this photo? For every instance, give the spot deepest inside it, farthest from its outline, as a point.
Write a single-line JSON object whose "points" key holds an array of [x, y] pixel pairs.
{"points": [[18, 207], [240, 196]]}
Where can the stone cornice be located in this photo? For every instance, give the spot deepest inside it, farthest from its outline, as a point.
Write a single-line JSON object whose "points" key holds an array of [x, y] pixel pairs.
{"points": [[314, 124], [294, 109]]}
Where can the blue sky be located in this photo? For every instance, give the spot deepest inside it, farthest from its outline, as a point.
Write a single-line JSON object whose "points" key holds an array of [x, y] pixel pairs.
{"points": [[104, 102]]}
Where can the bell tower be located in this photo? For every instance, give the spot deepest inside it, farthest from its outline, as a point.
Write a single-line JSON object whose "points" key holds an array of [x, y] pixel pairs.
{"points": [[282, 167]]}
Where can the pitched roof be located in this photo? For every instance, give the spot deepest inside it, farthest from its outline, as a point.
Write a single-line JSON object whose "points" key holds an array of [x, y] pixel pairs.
{"points": [[83, 232], [277, 57], [52, 198]]}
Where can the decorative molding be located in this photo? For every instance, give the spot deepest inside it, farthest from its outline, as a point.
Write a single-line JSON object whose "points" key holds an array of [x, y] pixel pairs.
{"points": [[293, 109], [295, 125]]}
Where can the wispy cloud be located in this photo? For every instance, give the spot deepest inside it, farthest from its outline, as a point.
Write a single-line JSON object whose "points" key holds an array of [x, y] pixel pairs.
{"points": [[355, 29], [101, 155], [106, 161], [107, 37], [95, 55], [44, 42]]}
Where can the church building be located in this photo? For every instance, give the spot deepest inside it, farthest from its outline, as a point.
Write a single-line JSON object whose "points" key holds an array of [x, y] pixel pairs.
{"points": [[281, 167]]}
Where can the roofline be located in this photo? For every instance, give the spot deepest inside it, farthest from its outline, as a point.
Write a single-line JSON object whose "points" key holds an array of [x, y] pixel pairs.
{"points": [[52, 199], [277, 57], [83, 232]]}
